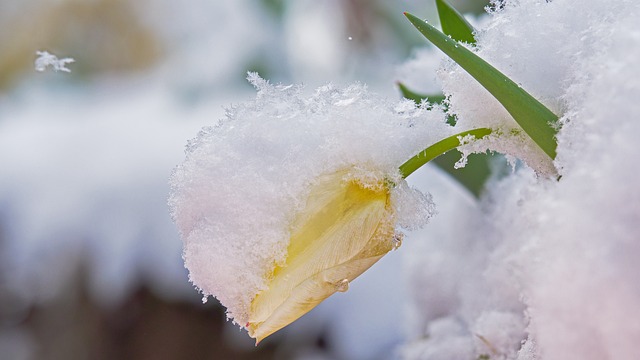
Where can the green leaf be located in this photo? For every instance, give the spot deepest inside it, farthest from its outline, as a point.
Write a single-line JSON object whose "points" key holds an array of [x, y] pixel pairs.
{"points": [[534, 118], [276, 7], [473, 176], [411, 95], [454, 24], [438, 149]]}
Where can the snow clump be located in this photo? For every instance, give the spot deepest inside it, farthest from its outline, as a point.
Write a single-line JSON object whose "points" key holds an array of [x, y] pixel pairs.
{"points": [[544, 268], [243, 180], [45, 60]]}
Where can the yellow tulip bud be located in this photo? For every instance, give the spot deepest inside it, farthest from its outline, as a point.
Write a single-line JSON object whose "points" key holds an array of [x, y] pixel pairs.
{"points": [[346, 226]]}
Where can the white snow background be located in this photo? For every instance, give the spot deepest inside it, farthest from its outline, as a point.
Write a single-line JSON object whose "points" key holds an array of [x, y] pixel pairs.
{"points": [[538, 269], [84, 164], [543, 269]]}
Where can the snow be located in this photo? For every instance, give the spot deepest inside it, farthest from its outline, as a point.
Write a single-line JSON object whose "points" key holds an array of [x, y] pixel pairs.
{"points": [[46, 60], [538, 269], [419, 72], [541, 268], [85, 157], [66, 165], [236, 225], [84, 167]]}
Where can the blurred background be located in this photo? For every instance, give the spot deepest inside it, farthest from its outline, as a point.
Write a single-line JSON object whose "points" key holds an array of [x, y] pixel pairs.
{"points": [[90, 262]]}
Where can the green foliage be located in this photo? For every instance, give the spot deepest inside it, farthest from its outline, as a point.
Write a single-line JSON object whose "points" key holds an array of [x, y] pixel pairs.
{"points": [[473, 176], [454, 24], [417, 97], [534, 118], [275, 7], [438, 149]]}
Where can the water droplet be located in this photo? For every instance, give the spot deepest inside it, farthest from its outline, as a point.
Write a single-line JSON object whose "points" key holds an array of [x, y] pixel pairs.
{"points": [[205, 299], [350, 38], [342, 285], [397, 240]]}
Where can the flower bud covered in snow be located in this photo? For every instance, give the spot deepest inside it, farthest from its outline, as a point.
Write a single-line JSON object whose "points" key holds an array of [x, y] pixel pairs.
{"points": [[289, 198], [345, 227]]}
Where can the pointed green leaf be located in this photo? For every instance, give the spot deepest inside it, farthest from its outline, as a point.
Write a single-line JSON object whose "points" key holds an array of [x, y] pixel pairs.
{"points": [[411, 95], [454, 24], [534, 118]]}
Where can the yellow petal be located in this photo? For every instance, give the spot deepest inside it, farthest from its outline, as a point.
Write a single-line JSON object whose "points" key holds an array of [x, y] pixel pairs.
{"points": [[343, 230]]}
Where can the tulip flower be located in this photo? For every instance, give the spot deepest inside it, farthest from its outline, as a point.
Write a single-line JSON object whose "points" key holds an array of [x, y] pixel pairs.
{"points": [[345, 228], [347, 225], [272, 246]]}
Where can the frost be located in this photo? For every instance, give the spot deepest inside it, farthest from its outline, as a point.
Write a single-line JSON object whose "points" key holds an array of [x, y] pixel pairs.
{"points": [[444, 339], [410, 205], [541, 268], [419, 73], [498, 333], [237, 193], [45, 60]]}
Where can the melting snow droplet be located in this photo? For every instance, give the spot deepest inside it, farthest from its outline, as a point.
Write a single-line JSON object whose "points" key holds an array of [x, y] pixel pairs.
{"points": [[205, 299], [397, 240], [342, 285]]}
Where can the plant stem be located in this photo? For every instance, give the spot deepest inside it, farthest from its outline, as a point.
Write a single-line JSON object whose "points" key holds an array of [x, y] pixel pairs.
{"points": [[534, 118], [438, 149]]}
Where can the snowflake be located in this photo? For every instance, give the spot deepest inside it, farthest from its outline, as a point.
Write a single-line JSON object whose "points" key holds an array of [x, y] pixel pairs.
{"points": [[46, 59]]}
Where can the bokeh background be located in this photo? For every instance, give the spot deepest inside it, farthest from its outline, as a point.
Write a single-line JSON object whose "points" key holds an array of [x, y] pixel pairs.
{"points": [[90, 262]]}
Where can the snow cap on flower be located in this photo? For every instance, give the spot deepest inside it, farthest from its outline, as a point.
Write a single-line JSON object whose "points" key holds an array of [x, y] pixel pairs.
{"points": [[267, 179]]}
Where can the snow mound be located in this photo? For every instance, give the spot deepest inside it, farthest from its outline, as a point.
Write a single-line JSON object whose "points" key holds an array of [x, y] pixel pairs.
{"points": [[550, 267], [237, 193]]}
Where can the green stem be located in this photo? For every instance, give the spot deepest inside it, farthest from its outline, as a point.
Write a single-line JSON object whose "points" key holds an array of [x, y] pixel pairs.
{"points": [[534, 118], [438, 149]]}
